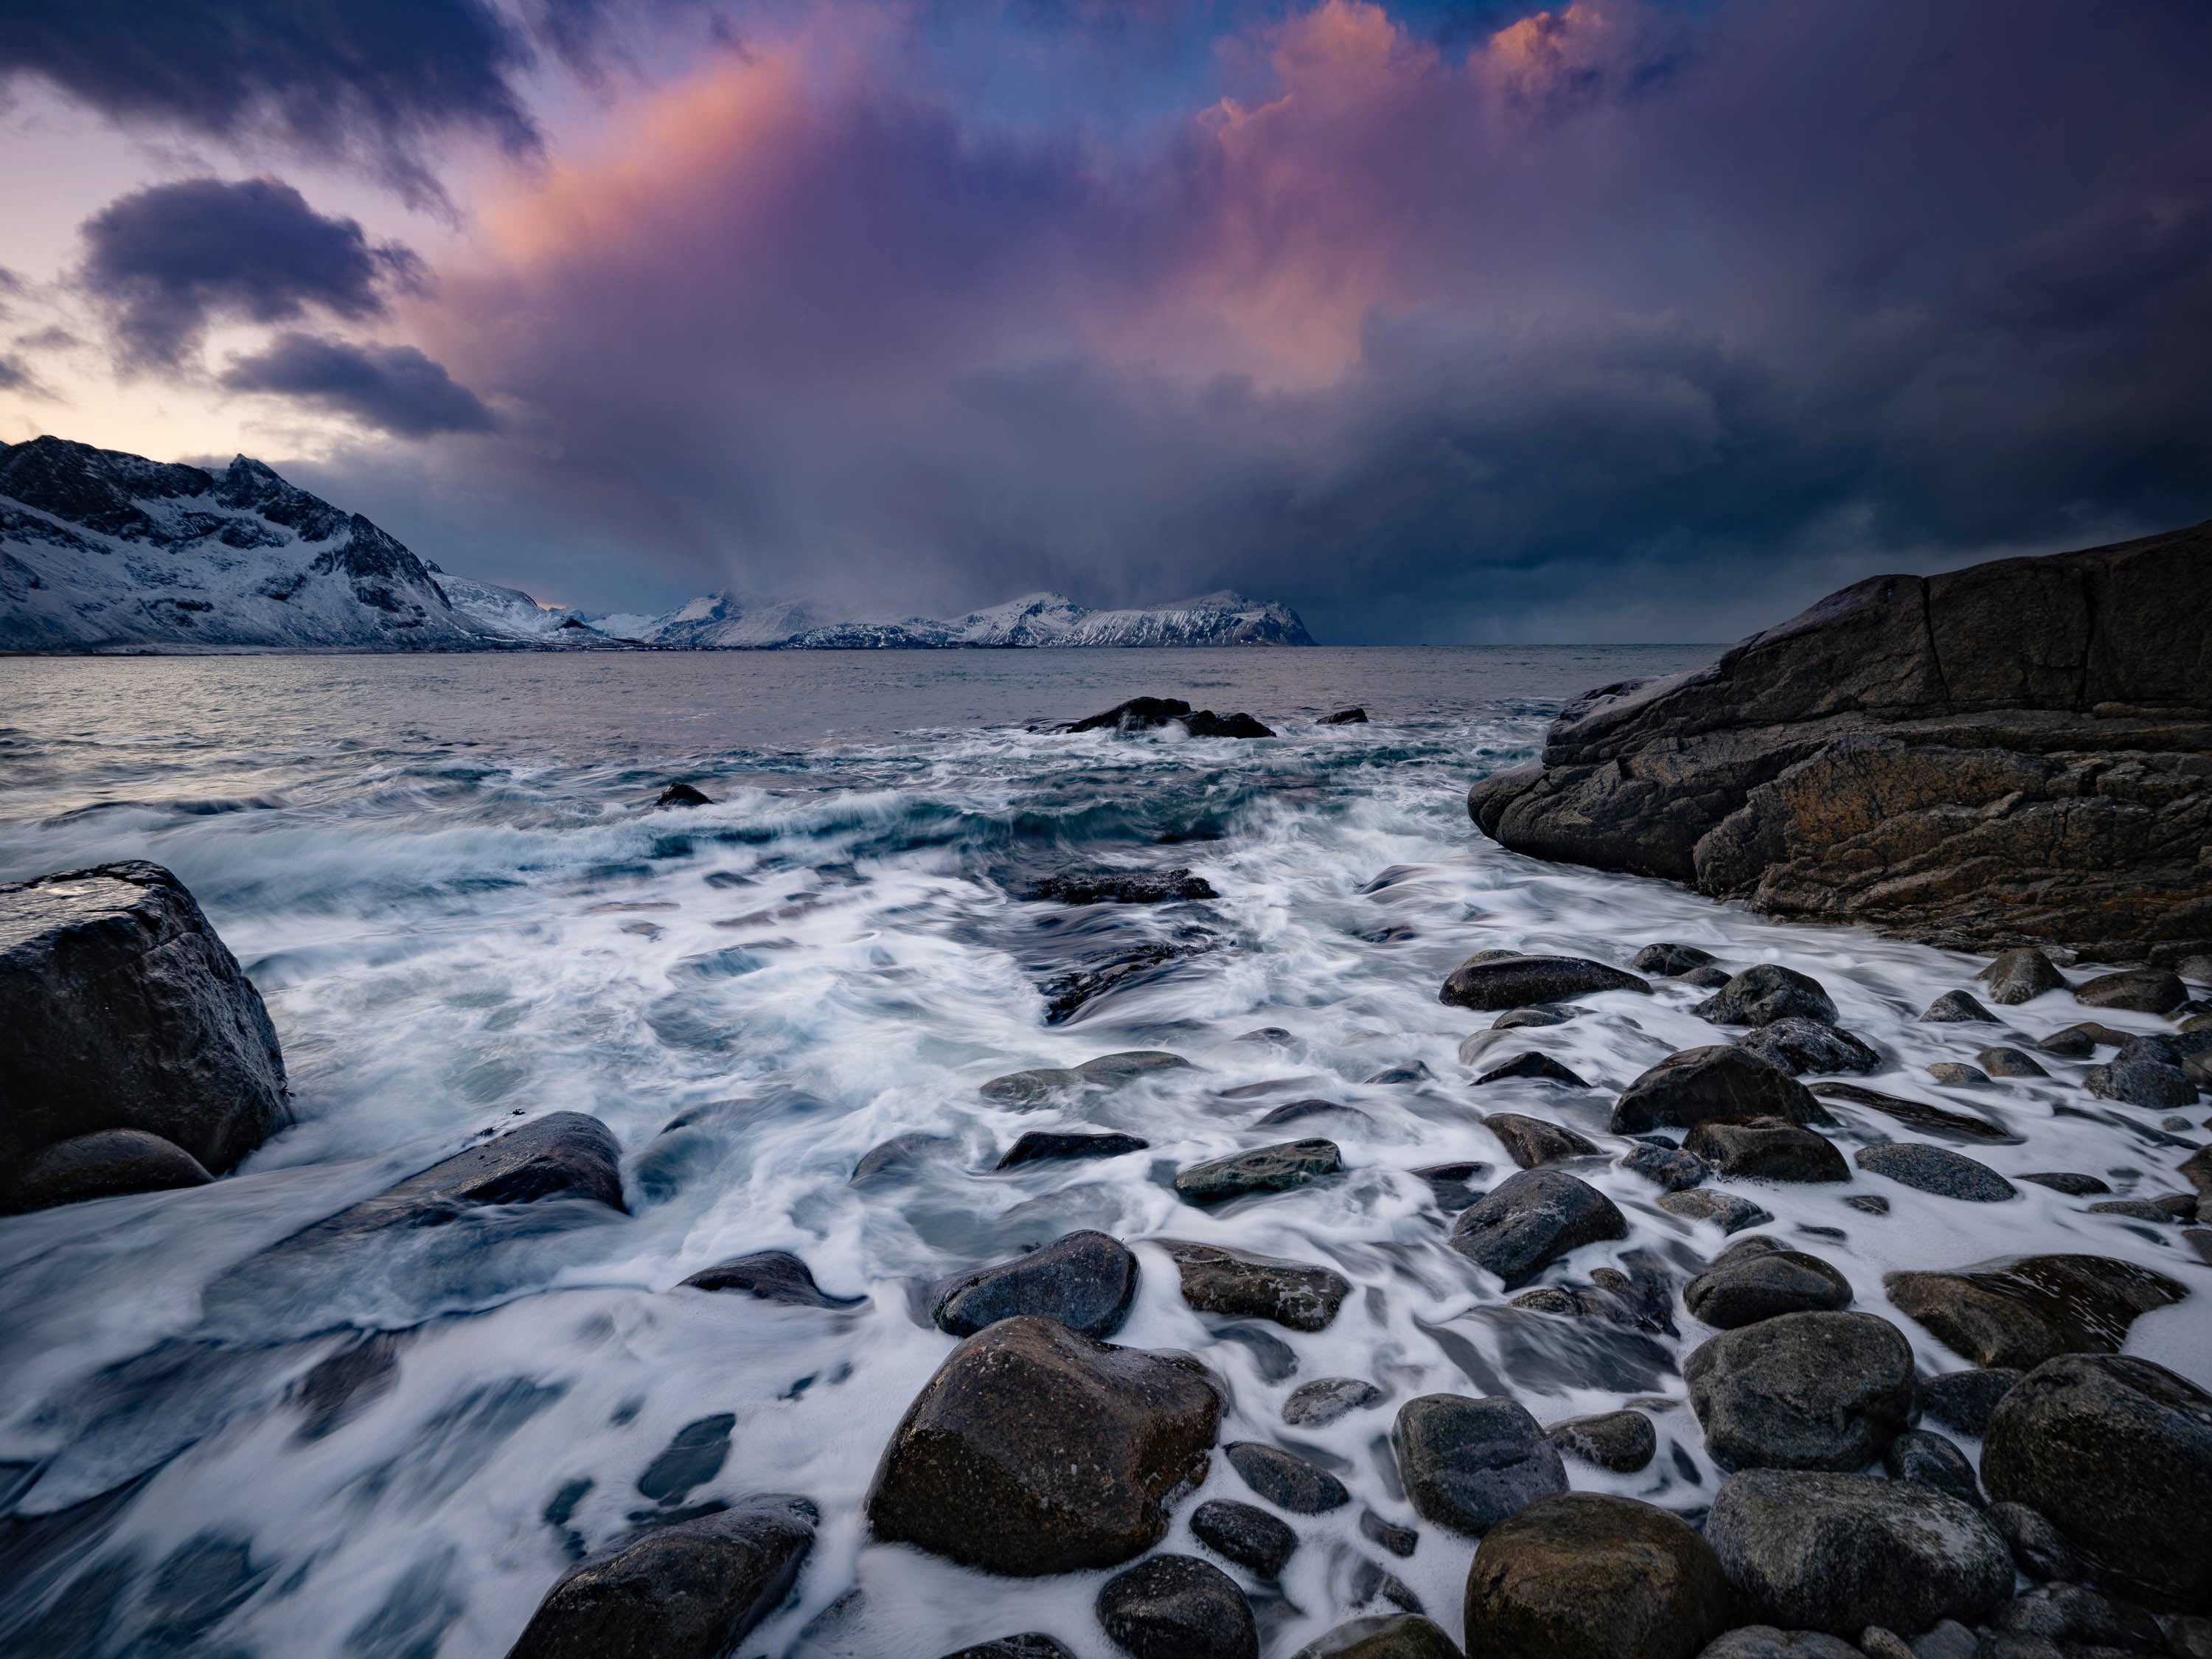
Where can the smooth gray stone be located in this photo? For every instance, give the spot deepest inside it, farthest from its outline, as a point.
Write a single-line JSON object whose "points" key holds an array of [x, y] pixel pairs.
{"points": [[1531, 1220], [1935, 1169], [1468, 1464]]}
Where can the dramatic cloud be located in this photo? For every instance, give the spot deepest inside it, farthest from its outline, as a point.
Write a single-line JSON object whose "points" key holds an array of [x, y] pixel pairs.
{"points": [[370, 80], [394, 389], [167, 259]]}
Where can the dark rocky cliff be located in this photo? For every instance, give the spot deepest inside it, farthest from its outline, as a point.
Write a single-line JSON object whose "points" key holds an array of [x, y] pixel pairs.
{"points": [[2016, 752]]}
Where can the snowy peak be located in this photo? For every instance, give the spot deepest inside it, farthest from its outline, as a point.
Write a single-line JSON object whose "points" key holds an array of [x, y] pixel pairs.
{"points": [[727, 622]]}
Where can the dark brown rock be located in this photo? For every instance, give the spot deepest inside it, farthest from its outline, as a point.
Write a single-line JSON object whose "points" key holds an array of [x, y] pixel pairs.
{"points": [[1670, 961], [2021, 1313], [1730, 1211], [682, 794], [106, 1164], [1918, 1114], [1048, 1146], [124, 1011], [1998, 756], [1530, 1142], [1085, 1280], [1296, 1294], [1317, 1404], [1668, 1168], [1721, 1083], [1540, 1067], [1589, 1576], [1035, 1450], [1957, 1008], [1964, 1400], [2005, 1061], [1768, 1149], [1486, 982], [1400, 1636]]}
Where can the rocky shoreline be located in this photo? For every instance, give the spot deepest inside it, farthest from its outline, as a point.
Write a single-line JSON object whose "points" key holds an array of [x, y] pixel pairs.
{"points": [[2043, 1496]]}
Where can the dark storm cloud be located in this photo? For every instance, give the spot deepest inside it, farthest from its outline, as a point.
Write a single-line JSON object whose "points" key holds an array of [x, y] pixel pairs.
{"points": [[166, 260], [394, 389]]}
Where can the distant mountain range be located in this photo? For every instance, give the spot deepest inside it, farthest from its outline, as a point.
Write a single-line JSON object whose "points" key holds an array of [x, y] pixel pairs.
{"points": [[101, 550]]}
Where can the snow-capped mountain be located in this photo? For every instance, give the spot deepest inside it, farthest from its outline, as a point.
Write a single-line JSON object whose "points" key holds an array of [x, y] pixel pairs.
{"points": [[725, 621], [104, 551]]}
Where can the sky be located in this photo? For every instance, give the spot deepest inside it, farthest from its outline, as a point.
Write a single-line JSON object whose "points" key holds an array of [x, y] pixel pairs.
{"points": [[1471, 323]]}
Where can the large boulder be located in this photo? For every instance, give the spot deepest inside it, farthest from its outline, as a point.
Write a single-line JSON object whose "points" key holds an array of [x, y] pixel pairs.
{"points": [[1802, 1391], [2117, 1451], [1587, 1576], [1997, 756], [1085, 1280], [2020, 975], [1468, 1464], [1721, 1083], [1034, 1449], [125, 1012], [1838, 1553], [692, 1590], [1530, 1221], [1489, 980], [2017, 1314]]}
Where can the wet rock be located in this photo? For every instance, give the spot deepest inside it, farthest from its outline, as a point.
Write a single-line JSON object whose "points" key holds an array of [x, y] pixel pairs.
{"points": [[1281, 1168], [2038, 1549], [2021, 975], [2135, 1209], [1802, 1391], [691, 1590], [1399, 1540], [1957, 1008], [1416, 1073], [898, 1156], [1705, 979], [1798, 1045], [694, 1457], [1284, 1480], [2077, 1616], [1758, 1279], [1034, 1449], [1522, 1020], [1249, 1536], [773, 1276], [1730, 1211], [1048, 1146], [1765, 1642], [1964, 1400], [1838, 1553], [343, 1385], [1957, 1075], [2197, 1171], [2069, 1183], [1760, 995], [1306, 1111], [1468, 1464], [1541, 1067], [1150, 714], [1530, 1142], [682, 794], [2021, 1313], [1400, 1636], [1589, 1576], [1767, 1149], [1103, 885], [1042, 1084], [1177, 1607], [1085, 1281], [1718, 1083], [1623, 1441], [1669, 960], [106, 1164], [124, 1011], [2084, 1038], [2002, 1061], [2117, 1452], [1918, 1114], [1922, 1455], [2146, 1084], [1531, 1220], [1668, 1168], [1320, 1402], [2139, 990], [1512, 980], [1344, 717], [1867, 1203], [1935, 1169], [1296, 1294], [1030, 1644], [1453, 1184]]}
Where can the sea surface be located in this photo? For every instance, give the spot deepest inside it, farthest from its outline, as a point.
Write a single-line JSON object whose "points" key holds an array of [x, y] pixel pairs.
{"points": [[447, 875]]}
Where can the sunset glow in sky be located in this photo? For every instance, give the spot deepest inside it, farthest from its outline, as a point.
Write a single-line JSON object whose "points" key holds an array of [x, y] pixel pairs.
{"points": [[1628, 320]]}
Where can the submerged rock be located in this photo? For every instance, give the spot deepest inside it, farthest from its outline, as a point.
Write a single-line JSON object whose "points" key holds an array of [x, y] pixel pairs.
{"points": [[2021, 975], [1150, 714], [1178, 1607], [1762, 995], [1540, 1067], [691, 1590], [1048, 1146], [2005, 1061], [1838, 1553], [1085, 1280], [2020, 1313], [1622, 1441], [1757, 1279], [1316, 1405], [1767, 1149], [2070, 1182], [1798, 1045], [1399, 1636], [1036, 1450], [773, 1276], [1104, 885], [1296, 1294], [1030, 1644], [1344, 717], [124, 1011], [1802, 1391], [1486, 982], [1530, 1142], [2117, 1452], [1041, 1084], [1730, 1211], [1935, 1169], [1668, 1168], [106, 1164], [1668, 960], [1281, 1168], [1245, 1534], [1964, 1400], [1765, 1642], [1922, 1455], [2148, 1084], [1531, 1220], [2140, 990], [682, 794], [1919, 1113], [1957, 1008], [1284, 1480], [1468, 1464], [1718, 1083], [1589, 1576]]}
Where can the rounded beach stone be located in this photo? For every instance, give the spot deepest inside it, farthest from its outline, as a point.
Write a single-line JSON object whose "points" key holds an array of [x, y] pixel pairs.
{"points": [[1278, 1169], [1320, 1402], [1669, 960], [1924, 1456], [1766, 1642], [1178, 1607], [1798, 1045], [1622, 1441], [107, 1163], [2020, 1313], [1730, 1211], [1285, 1480], [2006, 1062], [772, 1276], [1720, 1082], [1541, 1068], [1763, 994], [2039, 1550], [1668, 1168], [1468, 1464], [1400, 1636], [1298, 1295], [1485, 981], [1957, 1008], [1245, 1534], [1085, 1280], [1531, 1220], [2140, 990], [1802, 1391], [1530, 1142], [1591, 1576], [1768, 1149], [1964, 1400], [1936, 1169], [1758, 1279], [2021, 975]]}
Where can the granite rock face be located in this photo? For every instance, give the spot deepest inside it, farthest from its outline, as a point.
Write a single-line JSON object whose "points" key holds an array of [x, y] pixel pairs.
{"points": [[125, 1012], [2006, 755]]}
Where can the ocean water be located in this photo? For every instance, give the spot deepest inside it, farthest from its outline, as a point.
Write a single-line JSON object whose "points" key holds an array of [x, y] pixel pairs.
{"points": [[445, 877]]}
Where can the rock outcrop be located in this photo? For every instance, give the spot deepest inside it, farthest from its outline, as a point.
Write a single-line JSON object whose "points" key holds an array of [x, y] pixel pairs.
{"points": [[1999, 756], [124, 1011]]}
